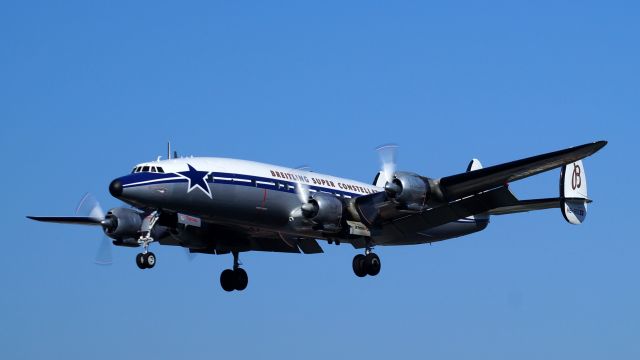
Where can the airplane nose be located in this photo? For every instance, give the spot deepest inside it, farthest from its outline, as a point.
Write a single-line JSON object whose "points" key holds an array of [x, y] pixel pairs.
{"points": [[115, 188]]}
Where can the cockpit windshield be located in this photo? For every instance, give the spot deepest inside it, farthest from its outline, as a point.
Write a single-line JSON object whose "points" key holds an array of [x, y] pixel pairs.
{"points": [[147, 168]]}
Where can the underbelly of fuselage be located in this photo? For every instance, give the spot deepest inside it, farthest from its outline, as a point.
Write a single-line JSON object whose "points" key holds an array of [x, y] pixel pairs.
{"points": [[271, 209]]}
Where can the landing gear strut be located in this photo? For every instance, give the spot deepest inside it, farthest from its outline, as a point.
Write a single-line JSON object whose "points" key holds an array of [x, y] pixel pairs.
{"points": [[146, 259], [236, 278], [367, 264]]}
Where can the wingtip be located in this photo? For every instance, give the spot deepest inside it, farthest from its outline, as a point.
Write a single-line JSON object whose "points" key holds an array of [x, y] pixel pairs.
{"points": [[600, 144]]}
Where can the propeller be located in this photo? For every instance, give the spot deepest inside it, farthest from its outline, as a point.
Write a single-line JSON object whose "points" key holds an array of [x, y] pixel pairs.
{"points": [[90, 209], [103, 254], [308, 208], [387, 154]]}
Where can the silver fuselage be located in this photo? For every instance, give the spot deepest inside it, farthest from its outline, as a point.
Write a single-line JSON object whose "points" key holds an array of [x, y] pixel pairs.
{"points": [[258, 196]]}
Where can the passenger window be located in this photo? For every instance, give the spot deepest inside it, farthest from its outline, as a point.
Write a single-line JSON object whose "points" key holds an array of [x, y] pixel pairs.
{"points": [[153, 169], [160, 169], [145, 169]]}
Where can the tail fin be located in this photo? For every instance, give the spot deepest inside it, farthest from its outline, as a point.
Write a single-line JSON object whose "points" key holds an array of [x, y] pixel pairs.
{"points": [[573, 192], [474, 164]]}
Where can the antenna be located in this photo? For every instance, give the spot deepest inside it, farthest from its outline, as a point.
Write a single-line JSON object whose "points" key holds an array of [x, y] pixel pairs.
{"points": [[168, 149]]}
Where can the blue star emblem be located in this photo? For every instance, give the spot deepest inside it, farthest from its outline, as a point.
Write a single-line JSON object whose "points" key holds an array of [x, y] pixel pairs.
{"points": [[197, 179]]}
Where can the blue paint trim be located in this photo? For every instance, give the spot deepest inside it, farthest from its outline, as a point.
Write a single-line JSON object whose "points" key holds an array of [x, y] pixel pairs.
{"points": [[146, 176], [131, 180]]}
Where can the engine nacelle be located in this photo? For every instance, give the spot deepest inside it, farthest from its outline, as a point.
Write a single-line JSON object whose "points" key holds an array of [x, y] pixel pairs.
{"points": [[324, 210], [409, 189], [122, 223]]}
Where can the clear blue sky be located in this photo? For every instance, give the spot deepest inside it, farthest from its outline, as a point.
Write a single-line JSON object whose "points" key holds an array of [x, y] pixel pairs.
{"points": [[87, 89]]}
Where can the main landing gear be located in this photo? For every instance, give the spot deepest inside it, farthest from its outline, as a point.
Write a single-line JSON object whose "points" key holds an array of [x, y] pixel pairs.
{"points": [[146, 259], [236, 278], [367, 264]]}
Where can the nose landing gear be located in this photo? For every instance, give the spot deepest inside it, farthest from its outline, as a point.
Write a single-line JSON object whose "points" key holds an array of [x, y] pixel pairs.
{"points": [[236, 278], [146, 259]]}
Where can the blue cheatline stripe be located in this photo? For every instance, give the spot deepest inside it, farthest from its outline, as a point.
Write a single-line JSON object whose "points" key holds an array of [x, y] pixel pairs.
{"points": [[142, 179], [254, 181]]}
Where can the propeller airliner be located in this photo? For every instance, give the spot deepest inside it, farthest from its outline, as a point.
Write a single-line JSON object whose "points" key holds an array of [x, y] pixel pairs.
{"points": [[227, 206]]}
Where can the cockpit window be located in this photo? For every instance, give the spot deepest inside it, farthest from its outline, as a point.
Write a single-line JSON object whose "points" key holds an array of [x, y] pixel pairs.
{"points": [[134, 170], [148, 168]]}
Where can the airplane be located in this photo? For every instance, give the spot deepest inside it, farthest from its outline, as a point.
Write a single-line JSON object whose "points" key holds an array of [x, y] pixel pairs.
{"points": [[227, 206]]}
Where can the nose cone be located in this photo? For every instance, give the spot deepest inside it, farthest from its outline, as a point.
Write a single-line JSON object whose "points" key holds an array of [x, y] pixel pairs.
{"points": [[115, 188]]}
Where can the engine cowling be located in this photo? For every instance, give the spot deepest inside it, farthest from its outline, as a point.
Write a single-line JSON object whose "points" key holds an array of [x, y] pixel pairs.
{"points": [[324, 210], [409, 189], [122, 223]]}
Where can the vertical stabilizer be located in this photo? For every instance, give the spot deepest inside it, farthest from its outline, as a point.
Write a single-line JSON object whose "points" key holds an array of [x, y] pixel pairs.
{"points": [[474, 164], [573, 192]]}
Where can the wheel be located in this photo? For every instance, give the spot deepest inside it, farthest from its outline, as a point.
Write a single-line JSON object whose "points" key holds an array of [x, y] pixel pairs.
{"points": [[227, 280], [241, 279], [149, 260], [140, 261], [358, 265], [372, 264]]}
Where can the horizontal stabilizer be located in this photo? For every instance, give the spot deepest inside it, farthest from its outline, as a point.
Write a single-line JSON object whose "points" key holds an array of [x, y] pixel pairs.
{"points": [[531, 205], [78, 220]]}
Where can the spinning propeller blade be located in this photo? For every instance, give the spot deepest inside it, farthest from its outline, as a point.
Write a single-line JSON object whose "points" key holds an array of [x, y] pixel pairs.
{"points": [[103, 255], [307, 206], [387, 155], [302, 190], [90, 207]]}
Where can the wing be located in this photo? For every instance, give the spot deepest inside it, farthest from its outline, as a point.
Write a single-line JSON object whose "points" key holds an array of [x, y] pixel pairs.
{"points": [[77, 220], [468, 183], [473, 192]]}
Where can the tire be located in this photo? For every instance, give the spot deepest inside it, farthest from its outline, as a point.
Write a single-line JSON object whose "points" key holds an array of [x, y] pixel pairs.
{"points": [[241, 279], [372, 264], [149, 260], [227, 280], [358, 265], [140, 261]]}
